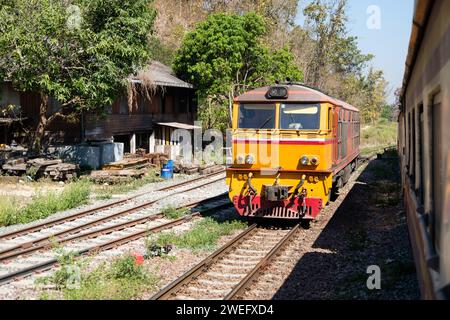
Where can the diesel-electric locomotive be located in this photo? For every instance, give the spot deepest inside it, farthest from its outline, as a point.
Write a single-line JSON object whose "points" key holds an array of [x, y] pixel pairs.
{"points": [[291, 145]]}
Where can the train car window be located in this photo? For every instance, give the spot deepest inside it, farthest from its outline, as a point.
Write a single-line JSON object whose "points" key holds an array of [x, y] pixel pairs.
{"points": [[257, 116], [413, 147], [437, 168], [420, 145], [330, 119], [300, 117], [409, 143]]}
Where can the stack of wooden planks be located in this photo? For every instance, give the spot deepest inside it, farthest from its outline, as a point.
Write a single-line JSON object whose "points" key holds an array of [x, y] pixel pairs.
{"points": [[37, 168], [131, 167]]}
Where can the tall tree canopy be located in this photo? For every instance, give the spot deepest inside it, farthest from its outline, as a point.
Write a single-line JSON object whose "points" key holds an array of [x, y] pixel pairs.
{"points": [[77, 51], [177, 17], [224, 56]]}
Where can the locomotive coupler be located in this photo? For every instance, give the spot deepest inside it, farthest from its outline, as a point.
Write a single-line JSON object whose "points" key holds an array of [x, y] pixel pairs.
{"points": [[300, 184], [251, 188], [251, 192], [302, 202]]}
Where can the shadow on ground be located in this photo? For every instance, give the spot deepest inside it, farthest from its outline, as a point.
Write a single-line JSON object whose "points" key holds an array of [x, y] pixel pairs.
{"points": [[369, 228]]}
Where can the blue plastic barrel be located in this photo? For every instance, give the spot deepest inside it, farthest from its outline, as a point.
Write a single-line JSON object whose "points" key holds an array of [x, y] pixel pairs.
{"points": [[167, 170]]}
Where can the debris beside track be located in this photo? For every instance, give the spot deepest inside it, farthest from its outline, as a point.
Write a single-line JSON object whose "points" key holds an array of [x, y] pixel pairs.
{"points": [[36, 168]]}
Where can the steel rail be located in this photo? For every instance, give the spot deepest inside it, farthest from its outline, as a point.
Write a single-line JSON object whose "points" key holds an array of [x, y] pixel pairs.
{"points": [[257, 270], [171, 289], [83, 226], [52, 240], [43, 225], [43, 266]]}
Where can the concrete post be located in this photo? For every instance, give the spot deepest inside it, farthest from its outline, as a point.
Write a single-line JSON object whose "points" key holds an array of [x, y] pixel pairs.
{"points": [[133, 143], [151, 142]]}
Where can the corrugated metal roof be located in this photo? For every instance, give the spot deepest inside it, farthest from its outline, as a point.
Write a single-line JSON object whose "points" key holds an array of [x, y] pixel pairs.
{"points": [[179, 125], [163, 76]]}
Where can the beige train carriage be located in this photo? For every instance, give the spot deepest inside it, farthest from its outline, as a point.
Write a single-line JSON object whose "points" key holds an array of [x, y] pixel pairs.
{"points": [[424, 139]]}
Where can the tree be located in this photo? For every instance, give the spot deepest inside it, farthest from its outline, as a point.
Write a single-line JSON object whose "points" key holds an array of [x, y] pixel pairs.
{"points": [[224, 56], [177, 17], [79, 52], [325, 24]]}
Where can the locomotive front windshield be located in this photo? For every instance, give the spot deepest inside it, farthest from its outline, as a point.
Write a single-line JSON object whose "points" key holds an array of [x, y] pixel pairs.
{"points": [[300, 116], [257, 116]]}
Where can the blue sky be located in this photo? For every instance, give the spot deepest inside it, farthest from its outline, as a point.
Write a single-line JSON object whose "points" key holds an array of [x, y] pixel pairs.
{"points": [[389, 44]]}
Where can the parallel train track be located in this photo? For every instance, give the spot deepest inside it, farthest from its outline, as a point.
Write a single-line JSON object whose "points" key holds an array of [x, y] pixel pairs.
{"points": [[229, 271], [114, 229], [103, 239], [58, 221]]}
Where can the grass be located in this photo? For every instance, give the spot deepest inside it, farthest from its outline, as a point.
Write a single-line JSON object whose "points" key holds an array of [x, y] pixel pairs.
{"points": [[171, 212], [204, 235], [123, 279], [104, 192], [43, 205], [374, 138]]}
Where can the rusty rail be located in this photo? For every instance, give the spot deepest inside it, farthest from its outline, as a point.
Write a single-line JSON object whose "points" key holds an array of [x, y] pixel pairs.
{"points": [[43, 266], [43, 225]]}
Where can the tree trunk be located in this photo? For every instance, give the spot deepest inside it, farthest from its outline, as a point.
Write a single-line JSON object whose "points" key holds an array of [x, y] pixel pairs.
{"points": [[36, 141]]}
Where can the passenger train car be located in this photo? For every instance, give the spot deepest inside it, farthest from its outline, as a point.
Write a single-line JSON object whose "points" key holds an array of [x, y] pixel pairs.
{"points": [[423, 142], [291, 144]]}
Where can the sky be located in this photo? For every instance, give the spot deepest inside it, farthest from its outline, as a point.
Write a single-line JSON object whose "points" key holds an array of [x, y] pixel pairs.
{"points": [[387, 38]]}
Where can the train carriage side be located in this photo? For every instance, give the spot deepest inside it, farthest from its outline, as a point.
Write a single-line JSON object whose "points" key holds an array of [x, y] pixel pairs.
{"points": [[423, 143]]}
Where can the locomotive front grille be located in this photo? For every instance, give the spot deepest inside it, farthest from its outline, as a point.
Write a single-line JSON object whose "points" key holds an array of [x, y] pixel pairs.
{"points": [[275, 212]]}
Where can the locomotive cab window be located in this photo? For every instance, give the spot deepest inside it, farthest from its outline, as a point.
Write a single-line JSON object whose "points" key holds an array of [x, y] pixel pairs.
{"points": [[257, 116], [300, 117]]}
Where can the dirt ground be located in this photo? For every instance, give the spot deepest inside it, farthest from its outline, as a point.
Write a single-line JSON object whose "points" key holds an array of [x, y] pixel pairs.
{"points": [[25, 190], [368, 229]]}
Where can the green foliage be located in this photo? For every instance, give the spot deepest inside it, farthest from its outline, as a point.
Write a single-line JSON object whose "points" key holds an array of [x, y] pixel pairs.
{"points": [[161, 52], [374, 138], [126, 268], [78, 51], [171, 212], [204, 235], [224, 56], [43, 205], [122, 280], [68, 271]]}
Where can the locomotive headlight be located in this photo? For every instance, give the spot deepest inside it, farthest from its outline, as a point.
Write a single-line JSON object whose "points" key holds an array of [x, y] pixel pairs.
{"points": [[304, 160], [249, 159], [240, 159], [315, 161]]}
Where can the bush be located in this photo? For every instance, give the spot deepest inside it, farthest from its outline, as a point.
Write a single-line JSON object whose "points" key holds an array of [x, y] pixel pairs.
{"points": [[126, 268]]}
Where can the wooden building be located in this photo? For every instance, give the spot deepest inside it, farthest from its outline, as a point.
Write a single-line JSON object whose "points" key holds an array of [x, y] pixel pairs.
{"points": [[146, 123]]}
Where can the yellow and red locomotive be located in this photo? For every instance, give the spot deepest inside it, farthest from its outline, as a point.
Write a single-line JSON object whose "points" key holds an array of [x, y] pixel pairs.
{"points": [[291, 144]]}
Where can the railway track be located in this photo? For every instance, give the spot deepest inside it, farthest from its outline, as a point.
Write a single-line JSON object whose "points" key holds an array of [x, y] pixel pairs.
{"points": [[229, 271], [42, 235], [99, 239], [91, 211]]}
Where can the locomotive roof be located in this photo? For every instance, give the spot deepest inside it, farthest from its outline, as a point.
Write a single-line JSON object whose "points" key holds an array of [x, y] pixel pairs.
{"points": [[296, 93]]}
